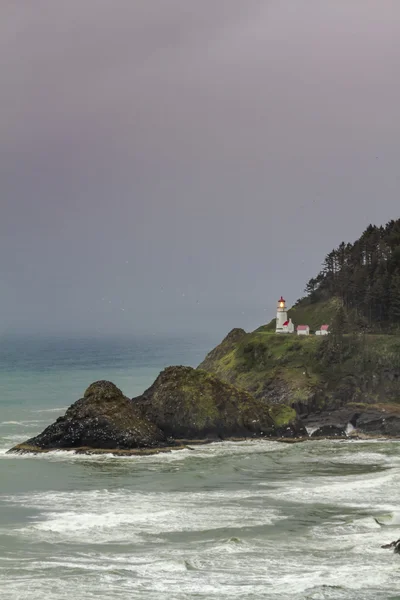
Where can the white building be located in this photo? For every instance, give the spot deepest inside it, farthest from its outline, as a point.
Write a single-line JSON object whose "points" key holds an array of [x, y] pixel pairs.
{"points": [[323, 331], [303, 330], [288, 326], [281, 316]]}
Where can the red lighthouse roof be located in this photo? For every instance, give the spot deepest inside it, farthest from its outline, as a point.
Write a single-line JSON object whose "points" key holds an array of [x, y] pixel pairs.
{"points": [[281, 299]]}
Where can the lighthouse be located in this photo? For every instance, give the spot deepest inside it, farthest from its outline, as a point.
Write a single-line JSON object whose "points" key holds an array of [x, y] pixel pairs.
{"points": [[281, 315], [282, 321]]}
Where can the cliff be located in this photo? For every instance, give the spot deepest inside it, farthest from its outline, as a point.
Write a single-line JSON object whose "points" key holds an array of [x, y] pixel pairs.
{"points": [[310, 373]]}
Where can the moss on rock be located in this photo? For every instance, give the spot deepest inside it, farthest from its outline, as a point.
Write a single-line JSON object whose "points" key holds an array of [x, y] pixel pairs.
{"points": [[190, 403]]}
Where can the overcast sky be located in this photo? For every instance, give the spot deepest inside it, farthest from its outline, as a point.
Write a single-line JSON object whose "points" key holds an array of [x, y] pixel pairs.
{"points": [[170, 165]]}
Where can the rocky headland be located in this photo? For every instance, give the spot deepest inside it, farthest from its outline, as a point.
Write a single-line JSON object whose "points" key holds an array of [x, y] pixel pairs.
{"points": [[337, 386]]}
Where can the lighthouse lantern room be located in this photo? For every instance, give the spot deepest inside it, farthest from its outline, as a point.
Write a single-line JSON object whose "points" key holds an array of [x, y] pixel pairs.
{"points": [[281, 316]]}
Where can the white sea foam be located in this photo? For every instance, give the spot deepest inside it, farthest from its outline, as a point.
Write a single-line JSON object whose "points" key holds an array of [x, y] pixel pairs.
{"points": [[123, 515], [199, 451], [178, 541], [21, 423], [212, 572], [60, 409], [358, 490]]}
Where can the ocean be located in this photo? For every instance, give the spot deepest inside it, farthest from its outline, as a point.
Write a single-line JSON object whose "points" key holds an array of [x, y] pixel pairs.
{"points": [[248, 520]]}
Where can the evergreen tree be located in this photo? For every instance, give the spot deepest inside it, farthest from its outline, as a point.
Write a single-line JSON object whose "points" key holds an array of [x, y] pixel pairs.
{"points": [[394, 296], [364, 275]]}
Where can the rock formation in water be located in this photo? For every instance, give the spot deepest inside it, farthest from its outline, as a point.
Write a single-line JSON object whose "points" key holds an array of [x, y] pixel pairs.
{"points": [[183, 403], [394, 545], [104, 418]]}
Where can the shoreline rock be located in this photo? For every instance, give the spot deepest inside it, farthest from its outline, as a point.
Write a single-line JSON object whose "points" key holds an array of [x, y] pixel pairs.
{"points": [[191, 403], [191, 406], [104, 418], [329, 431], [182, 404], [373, 419]]}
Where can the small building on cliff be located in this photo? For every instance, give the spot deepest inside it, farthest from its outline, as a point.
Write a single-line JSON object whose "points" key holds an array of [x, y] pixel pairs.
{"points": [[323, 331], [288, 326], [303, 330]]}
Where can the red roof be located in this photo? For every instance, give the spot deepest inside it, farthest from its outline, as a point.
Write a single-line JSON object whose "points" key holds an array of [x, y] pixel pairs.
{"points": [[286, 323], [281, 299], [302, 327], [324, 327]]}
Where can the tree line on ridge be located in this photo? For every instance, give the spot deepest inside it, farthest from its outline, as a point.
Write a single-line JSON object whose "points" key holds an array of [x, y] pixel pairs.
{"points": [[365, 276]]}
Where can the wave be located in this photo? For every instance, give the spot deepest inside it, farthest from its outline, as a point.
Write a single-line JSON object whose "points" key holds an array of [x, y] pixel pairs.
{"points": [[198, 451], [125, 516], [21, 423], [249, 532], [60, 409]]}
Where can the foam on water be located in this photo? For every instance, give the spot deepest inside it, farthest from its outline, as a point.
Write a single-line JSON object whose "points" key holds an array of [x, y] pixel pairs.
{"points": [[177, 540], [60, 410], [122, 515], [200, 451]]}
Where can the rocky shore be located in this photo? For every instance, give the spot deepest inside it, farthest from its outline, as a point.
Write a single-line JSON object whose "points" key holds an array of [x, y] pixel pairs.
{"points": [[183, 406], [250, 386]]}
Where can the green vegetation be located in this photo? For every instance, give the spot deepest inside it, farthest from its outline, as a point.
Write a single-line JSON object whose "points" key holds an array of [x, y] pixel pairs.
{"points": [[365, 277], [311, 371], [282, 415], [193, 403], [264, 363]]}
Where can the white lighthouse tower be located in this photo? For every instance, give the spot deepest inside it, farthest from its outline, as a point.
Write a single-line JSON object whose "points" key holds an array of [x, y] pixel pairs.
{"points": [[281, 317]]}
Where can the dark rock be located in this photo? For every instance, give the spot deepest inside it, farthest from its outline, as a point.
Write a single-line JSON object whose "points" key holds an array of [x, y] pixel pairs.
{"points": [[337, 418], [375, 421], [329, 431], [183, 403], [103, 419], [295, 429], [394, 545], [192, 404]]}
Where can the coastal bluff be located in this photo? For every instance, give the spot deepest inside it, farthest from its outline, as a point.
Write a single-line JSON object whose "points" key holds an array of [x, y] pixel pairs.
{"points": [[338, 381], [183, 405]]}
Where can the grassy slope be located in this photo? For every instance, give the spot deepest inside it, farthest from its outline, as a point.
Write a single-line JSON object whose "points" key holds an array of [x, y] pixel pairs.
{"points": [[291, 369], [262, 358]]}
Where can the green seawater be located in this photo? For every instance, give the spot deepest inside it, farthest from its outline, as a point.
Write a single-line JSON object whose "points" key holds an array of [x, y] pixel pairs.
{"points": [[249, 520]]}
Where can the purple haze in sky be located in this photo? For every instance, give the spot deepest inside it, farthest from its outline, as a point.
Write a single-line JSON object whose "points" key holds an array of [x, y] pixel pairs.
{"points": [[170, 165]]}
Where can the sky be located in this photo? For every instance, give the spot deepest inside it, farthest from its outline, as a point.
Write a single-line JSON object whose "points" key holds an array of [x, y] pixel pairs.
{"points": [[176, 165]]}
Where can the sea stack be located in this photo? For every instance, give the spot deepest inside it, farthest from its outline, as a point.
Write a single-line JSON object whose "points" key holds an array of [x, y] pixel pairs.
{"points": [[103, 419]]}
